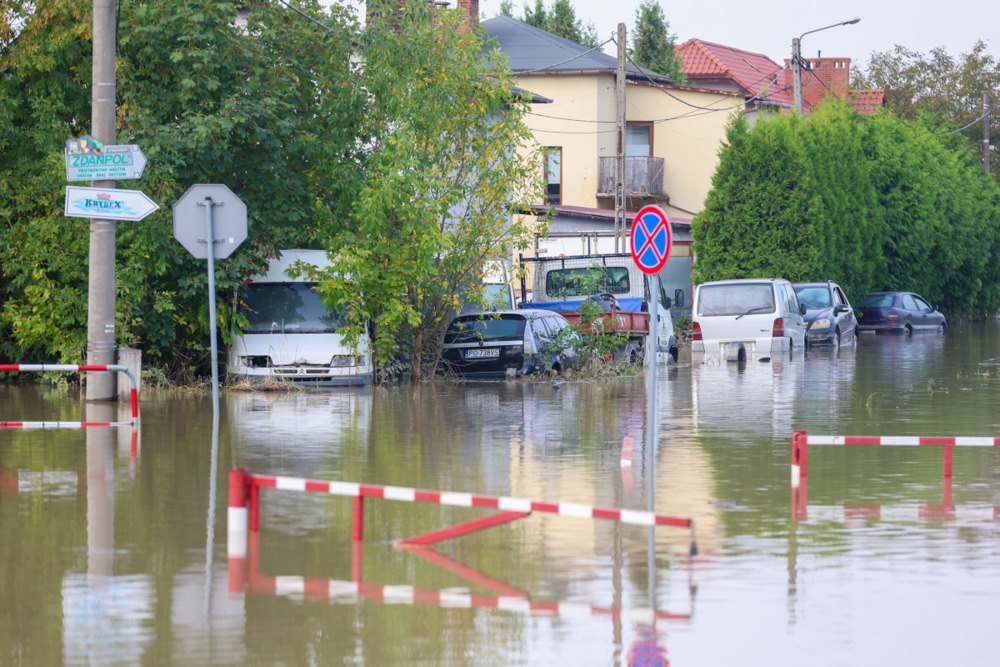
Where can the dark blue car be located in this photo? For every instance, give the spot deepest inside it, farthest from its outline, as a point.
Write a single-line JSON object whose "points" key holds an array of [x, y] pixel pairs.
{"points": [[829, 316], [899, 312]]}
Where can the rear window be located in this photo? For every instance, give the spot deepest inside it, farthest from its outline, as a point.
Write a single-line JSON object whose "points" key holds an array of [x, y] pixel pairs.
{"points": [[735, 299], [876, 301], [485, 328], [596, 279]]}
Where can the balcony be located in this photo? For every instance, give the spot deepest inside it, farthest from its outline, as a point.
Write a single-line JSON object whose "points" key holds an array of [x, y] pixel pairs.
{"points": [[643, 177]]}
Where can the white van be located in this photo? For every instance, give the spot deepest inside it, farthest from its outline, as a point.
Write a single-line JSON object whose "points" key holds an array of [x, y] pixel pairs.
{"points": [[740, 318], [290, 335]]}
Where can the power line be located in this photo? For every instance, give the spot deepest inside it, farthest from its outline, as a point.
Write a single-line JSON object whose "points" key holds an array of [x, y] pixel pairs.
{"points": [[306, 16], [970, 124]]}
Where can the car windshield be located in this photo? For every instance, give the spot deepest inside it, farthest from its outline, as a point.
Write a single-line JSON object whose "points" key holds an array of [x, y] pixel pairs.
{"points": [[485, 328], [592, 280], [814, 296], [876, 301], [287, 308], [735, 299]]}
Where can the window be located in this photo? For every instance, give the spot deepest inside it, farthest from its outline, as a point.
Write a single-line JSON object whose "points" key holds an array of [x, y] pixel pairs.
{"points": [[593, 280], [814, 296], [909, 303], [474, 329], [288, 308], [735, 299], [841, 299], [639, 140], [876, 301], [922, 305], [791, 301], [553, 193]]}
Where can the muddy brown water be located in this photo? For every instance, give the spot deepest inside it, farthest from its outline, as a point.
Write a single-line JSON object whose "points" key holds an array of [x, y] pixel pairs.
{"points": [[112, 558]]}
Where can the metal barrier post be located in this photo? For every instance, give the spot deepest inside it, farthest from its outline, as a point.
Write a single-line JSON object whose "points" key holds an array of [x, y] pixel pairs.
{"points": [[236, 525], [358, 527], [947, 462]]}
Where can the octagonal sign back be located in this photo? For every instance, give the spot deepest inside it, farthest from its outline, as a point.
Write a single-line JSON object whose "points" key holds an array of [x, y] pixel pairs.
{"points": [[229, 220]]}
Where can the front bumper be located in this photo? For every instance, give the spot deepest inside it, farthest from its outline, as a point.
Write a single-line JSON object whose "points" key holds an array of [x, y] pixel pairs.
{"points": [[307, 376], [821, 337]]}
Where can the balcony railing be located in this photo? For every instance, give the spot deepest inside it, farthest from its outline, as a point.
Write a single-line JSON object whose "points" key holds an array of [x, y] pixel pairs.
{"points": [[643, 177]]}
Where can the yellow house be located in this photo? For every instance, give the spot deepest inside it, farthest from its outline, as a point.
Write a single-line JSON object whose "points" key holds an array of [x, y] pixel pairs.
{"points": [[673, 135]]}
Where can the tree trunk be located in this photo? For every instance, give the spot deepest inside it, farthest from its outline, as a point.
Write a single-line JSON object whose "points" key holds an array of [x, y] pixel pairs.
{"points": [[416, 356]]}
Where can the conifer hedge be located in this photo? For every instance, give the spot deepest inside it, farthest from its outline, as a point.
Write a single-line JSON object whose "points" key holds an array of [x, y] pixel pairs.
{"points": [[870, 202]]}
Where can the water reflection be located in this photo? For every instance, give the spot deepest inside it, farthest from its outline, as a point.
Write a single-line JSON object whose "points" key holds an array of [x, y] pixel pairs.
{"points": [[113, 553]]}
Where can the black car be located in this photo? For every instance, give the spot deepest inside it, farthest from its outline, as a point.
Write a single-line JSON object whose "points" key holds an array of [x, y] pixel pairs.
{"points": [[829, 317], [899, 312], [507, 344]]}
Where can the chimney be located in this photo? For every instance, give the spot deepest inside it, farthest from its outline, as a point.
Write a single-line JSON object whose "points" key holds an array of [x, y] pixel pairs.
{"points": [[471, 10], [821, 77]]}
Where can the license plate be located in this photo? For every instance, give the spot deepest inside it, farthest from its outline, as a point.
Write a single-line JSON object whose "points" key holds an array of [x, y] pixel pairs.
{"points": [[482, 353]]}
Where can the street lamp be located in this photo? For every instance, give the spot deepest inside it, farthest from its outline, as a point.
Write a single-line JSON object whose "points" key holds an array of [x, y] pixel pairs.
{"points": [[797, 57]]}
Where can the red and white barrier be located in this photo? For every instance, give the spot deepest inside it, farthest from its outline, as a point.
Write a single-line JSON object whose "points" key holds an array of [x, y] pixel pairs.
{"points": [[351, 591], [245, 508], [974, 513], [75, 368], [38, 425], [801, 442]]}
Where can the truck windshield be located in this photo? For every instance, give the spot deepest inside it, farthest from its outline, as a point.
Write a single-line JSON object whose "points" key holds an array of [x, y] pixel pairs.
{"points": [[475, 328], [735, 299], [497, 296], [815, 296], [288, 308], [587, 280]]}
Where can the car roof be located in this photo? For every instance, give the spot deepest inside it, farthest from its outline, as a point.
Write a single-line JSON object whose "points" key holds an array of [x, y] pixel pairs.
{"points": [[527, 313], [826, 284], [744, 281]]}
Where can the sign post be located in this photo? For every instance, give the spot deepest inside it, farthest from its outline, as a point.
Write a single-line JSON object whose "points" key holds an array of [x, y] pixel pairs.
{"points": [[211, 222], [650, 239]]}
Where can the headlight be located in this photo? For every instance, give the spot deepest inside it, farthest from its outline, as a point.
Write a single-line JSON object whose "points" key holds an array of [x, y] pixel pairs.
{"points": [[822, 323], [343, 360]]}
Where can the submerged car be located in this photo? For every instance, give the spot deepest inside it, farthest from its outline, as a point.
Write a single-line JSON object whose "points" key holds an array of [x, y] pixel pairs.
{"points": [[738, 318], [829, 317], [507, 344], [899, 312]]}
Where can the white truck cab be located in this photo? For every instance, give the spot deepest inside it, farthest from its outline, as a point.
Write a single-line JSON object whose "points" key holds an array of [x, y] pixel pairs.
{"points": [[290, 335], [741, 318]]}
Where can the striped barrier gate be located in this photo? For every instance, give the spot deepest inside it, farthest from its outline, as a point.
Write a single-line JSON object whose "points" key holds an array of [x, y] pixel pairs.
{"points": [[74, 368], [245, 509], [947, 509]]}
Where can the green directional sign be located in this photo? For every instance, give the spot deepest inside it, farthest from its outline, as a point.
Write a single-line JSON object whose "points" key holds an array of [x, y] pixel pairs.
{"points": [[113, 163]]}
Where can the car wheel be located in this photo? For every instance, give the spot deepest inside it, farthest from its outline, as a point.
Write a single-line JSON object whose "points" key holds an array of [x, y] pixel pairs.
{"points": [[674, 353], [857, 334], [908, 330], [943, 328], [836, 339]]}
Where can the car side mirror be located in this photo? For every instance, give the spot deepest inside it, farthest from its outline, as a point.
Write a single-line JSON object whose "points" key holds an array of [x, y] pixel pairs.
{"points": [[802, 309], [841, 309]]}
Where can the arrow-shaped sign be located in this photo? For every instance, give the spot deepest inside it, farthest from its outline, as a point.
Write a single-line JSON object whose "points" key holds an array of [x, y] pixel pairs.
{"points": [[109, 204], [114, 163]]}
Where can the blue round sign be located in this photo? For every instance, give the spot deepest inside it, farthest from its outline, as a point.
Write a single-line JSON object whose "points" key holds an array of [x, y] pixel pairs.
{"points": [[650, 239]]}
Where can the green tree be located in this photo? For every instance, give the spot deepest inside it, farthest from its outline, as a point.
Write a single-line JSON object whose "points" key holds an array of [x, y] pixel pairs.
{"points": [[560, 19], [870, 202], [444, 179], [537, 16], [654, 45], [945, 89], [507, 8], [260, 110]]}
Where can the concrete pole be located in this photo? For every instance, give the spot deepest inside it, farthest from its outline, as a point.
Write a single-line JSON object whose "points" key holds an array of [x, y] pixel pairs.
{"points": [[986, 130], [620, 154], [101, 347], [797, 73]]}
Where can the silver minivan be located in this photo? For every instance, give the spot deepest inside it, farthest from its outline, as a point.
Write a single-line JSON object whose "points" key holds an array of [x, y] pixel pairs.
{"points": [[742, 318]]}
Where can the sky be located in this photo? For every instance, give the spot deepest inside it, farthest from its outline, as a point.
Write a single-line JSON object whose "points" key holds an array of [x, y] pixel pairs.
{"points": [[767, 26]]}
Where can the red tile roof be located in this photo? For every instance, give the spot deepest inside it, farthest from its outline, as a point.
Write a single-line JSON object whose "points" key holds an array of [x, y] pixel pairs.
{"points": [[867, 101], [750, 71]]}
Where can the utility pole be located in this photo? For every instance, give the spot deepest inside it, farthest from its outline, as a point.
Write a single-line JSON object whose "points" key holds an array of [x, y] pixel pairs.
{"points": [[986, 130], [620, 155], [101, 347], [797, 72]]}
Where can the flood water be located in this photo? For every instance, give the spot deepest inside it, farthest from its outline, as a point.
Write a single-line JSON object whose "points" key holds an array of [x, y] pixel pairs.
{"points": [[115, 555]]}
